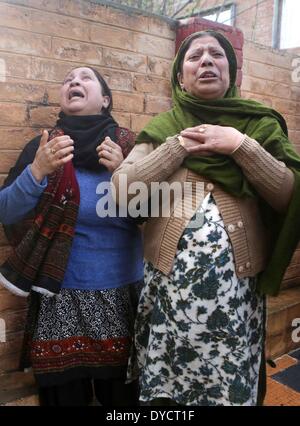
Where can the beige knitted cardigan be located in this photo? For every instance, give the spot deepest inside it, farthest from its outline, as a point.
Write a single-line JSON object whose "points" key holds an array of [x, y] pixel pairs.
{"points": [[249, 239]]}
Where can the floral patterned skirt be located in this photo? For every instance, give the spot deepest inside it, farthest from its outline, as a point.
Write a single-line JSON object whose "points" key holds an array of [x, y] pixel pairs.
{"points": [[199, 331]]}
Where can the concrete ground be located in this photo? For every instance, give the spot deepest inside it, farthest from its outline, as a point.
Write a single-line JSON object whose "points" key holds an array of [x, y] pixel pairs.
{"points": [[283, 382]]}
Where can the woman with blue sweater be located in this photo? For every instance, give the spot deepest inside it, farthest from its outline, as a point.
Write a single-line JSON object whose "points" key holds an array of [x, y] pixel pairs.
{"points": [[82, 270]]}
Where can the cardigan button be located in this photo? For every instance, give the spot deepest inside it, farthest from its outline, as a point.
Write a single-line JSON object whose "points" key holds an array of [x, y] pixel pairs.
{"points": [[231, 228], [241, 269], [240, 224], [210, 187]]}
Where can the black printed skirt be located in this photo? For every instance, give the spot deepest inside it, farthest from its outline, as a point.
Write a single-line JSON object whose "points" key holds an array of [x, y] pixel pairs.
{"points": [[80, 334]]}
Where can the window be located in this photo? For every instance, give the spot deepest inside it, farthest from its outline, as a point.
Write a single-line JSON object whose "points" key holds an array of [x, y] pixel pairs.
{"points": [[287, 25], [222, 14]]}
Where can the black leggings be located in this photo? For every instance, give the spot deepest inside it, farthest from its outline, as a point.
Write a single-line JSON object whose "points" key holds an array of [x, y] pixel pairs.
{"points": [[109, 393]]}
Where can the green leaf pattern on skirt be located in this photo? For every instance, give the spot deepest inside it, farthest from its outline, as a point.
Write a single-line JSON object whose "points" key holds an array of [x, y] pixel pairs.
{"points": [[199, 330]]}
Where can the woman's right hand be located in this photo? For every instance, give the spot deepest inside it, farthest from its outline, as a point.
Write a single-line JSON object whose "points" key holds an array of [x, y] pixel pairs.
{"points": [[190, 144], [213, 138], [51, 155]]}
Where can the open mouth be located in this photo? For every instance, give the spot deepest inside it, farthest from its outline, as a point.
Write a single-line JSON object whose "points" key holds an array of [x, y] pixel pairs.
{"points": [[75, 94], [208, 74]]}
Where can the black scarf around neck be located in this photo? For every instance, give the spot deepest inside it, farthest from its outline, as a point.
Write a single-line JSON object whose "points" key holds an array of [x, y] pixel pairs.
{"points": [[87, 132]]}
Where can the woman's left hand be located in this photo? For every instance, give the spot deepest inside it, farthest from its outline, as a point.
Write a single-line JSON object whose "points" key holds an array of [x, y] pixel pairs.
{"points": [[213, 138], [110, 154]]}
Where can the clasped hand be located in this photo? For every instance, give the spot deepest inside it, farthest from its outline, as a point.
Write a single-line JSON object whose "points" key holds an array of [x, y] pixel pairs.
{"points": [[208, 139]]}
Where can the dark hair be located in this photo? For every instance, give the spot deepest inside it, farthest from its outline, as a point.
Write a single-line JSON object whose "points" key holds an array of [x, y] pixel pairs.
{"points": [[224, 43], [105, 89]]}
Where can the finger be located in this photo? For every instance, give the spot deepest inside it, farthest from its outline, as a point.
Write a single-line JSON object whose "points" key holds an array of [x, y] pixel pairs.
{"points": [[44, 138], [112, 144], [106, 163], [196, 136], [200, 148], [65, 160], [101, 151], [191, 129], [106, 154], [104, 146], [61, 141], [64, 152], [111, 148], [106, 139], [196, 128], [61, 138], [60, 145]]}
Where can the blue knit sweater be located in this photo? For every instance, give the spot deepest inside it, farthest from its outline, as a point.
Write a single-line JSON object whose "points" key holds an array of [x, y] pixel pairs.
{"points": [[106, 252], [20, 197]]}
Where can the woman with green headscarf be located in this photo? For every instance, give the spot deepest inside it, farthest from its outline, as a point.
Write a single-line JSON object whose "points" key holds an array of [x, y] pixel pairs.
{"points": [[201, 318]]}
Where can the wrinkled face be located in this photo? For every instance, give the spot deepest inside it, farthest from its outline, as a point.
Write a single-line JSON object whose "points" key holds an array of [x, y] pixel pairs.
{"points": [[81, 93], [205, 69]]}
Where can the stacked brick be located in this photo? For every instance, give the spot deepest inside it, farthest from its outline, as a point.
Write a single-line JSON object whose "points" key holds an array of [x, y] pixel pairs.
{"points": [[40, 41], [273, 77], [253, 17]]}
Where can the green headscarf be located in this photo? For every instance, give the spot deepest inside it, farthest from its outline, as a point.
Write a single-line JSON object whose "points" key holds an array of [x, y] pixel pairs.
{"points": [[259, 122]]}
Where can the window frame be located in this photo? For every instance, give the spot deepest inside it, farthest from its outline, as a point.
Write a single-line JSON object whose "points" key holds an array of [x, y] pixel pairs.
{"points": [[215, 9], [277, 22]]}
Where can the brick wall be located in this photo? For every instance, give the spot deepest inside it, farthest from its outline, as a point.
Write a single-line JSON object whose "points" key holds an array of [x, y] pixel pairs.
{"points": [[267, 77], [40, 41]]}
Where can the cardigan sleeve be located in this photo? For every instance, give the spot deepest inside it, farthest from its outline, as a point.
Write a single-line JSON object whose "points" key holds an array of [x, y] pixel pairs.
{"points": [[146, 164], [272, 179]]}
